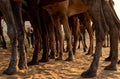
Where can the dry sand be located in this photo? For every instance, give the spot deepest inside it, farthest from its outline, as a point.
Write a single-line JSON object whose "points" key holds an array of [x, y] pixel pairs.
{"points": [[59, 69]]}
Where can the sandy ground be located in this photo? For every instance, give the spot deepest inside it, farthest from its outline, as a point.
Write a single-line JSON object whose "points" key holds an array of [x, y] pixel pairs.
{"points": [[59, 69]]}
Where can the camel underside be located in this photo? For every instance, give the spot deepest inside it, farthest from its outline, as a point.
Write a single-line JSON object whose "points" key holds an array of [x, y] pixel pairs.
{"points": [[76, 7]]}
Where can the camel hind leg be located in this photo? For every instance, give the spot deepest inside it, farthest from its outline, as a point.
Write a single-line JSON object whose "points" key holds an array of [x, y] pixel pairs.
{"points": [[9, 18]]}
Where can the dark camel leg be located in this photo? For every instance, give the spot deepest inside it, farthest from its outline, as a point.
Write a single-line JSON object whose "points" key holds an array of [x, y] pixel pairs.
{"points": [[45, 36], [99, 34], [20, 32], [45, 48], [74, 24], [34, 60], [33, 13], [9, 18]]}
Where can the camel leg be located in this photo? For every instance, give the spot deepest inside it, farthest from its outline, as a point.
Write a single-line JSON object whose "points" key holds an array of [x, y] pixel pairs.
{"points": [[90, 32], [75, 34], [52, 45], [114, 49], [112, 21], [33, 15], [110, 55], [84, 41], [60, 37], [45, 36], [74, 24], [99, 34], [9, 18], [87, 25], [45, 48], [34, 60], [51, 31], [20, 31], [68, 37], [91, 72], [57, 42]]}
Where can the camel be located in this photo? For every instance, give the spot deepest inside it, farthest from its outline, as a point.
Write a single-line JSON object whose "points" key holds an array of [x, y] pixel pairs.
{"points": [[104, 19], [12, 14]]}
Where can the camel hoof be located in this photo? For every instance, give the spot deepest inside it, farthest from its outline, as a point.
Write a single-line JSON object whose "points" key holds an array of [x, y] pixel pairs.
{"points": [[119, 62], [69, 59], [74, 53], [104, 46], [32, 63], [43, 60], [10, 71], [52, 57], [21, 67], [87, 54], [107, 59], [110, 67], [88, 74], [84, 50]]}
